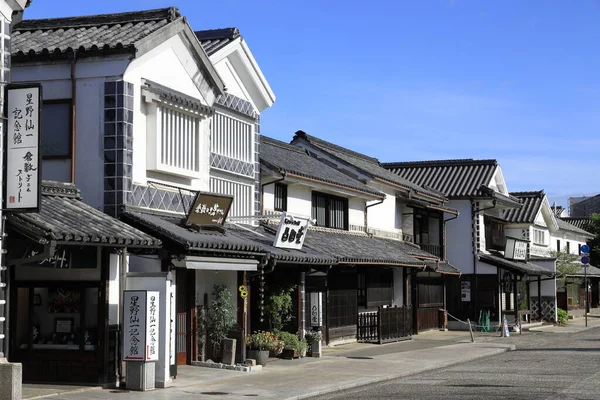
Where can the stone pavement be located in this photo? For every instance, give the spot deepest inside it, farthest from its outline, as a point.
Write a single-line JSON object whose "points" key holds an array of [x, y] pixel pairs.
{"points": [[341, 367]]}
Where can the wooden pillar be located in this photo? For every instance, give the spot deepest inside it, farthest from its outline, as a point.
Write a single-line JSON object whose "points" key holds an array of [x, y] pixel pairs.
{"points": [[103, 330], [539, 282], [516, 297], [243, 315], [192, 328]]}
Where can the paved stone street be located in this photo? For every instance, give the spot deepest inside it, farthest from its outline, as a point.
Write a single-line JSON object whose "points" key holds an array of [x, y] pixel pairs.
{"points": [[432, 365], [544, 366]]}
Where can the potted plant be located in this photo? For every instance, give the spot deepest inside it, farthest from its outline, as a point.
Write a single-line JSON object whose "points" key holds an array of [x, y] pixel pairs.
{"points": [[293, 346], [314, 340], [259, 345], [218, 319]]}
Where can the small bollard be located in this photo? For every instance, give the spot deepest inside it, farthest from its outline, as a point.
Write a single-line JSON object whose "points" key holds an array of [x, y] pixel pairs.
{"points": [[471, 330]]}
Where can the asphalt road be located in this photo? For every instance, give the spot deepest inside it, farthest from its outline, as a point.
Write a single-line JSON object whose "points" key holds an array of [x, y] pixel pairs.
{"points": [[543, 366]]}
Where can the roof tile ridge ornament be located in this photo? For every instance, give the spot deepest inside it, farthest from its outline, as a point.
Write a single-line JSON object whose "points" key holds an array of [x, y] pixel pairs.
{"points": [[332, 146], [441, 162], [169, 13], [61, 189], [218, 33]]}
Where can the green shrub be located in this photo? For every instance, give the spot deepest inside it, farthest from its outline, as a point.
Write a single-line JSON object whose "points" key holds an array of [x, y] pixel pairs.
{"points": [[290, 339], [562, 316]]}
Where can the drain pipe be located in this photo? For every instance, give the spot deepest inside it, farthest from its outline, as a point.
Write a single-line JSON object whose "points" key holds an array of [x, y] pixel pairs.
{"points": [[475, 211], [73, 114]]}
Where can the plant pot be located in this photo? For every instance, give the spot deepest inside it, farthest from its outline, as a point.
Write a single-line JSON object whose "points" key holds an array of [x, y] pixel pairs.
{"points": [[261, 356]]}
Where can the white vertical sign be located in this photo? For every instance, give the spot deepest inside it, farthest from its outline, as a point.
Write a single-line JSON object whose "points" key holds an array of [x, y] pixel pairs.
{"points": [[172, 360], [22, 148], [316, 309], [152, 326], [140, 325]]}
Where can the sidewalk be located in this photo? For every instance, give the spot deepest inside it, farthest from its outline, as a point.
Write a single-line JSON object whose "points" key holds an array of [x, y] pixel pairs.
{"points": [[341, 367]]}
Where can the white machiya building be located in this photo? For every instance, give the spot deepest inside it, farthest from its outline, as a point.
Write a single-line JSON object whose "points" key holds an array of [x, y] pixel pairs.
{"points": [[385, 233], [494, 265], [547, 234], [141, 113]]}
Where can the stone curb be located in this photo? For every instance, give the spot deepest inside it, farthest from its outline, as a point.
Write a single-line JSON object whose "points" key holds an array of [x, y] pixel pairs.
{"points": [[402, 375], [240, 368], [66, 392]]}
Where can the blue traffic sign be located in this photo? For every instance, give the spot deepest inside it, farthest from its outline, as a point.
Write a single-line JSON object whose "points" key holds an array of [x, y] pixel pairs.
{"points": [[585, 248], [585, 260]]}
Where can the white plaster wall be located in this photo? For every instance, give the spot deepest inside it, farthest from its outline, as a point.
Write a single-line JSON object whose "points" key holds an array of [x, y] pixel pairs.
{"points": [[299, 199], [169, 64], [206, 279], [356, 211], [387, 215], [398, 274], [540, 220], [486, 269], [232, 80], [573, 239], [268, 195], [459, 249], [114, 289]]}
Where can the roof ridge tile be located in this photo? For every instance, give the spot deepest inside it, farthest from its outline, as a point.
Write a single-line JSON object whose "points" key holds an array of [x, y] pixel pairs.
{"points": [[169, 13]]}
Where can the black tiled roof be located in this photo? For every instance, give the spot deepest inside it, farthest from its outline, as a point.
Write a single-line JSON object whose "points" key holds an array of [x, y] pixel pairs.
{"points": [[63, 217], [581, 223], [265, 236], [454, 178], [591, 272], [351, 248], [234, 103], [280, 156], [233, 239], [369, 165], [557, 210], [170, 228], [93, 33], [213, 40], [525, 268], [531, 204], [443, 267], [566, 226]]}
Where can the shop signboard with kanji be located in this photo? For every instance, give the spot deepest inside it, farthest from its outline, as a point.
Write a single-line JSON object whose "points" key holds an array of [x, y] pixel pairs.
{"points": [[22, 158], [140, 325]]}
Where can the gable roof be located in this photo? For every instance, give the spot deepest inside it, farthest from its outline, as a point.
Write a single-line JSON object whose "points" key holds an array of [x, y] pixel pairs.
{"points": [[368, 165], [104, 34], [213, 40], [457, 178], [65, 219], [294, 160], [531, 205], [91, 33]]}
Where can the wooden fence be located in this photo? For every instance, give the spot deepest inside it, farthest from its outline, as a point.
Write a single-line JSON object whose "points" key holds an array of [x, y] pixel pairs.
{"points": [[389, 324]]}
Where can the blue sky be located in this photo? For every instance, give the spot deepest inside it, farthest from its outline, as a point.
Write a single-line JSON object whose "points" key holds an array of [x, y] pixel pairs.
{"points": [[405, 80]]}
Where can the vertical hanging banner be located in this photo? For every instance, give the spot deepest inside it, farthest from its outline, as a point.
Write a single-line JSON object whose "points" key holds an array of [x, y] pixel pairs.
{"points": [[22, 150], [140, 325]]}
